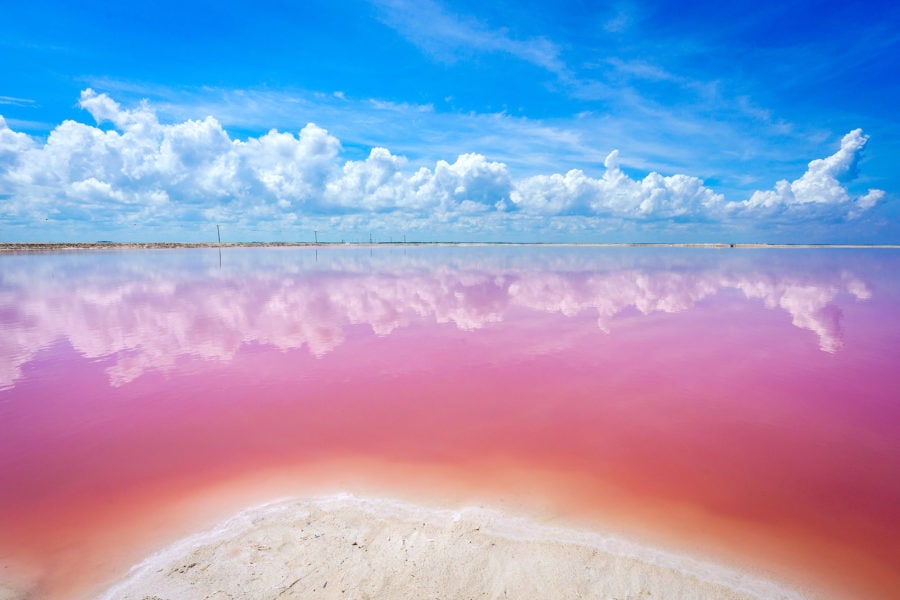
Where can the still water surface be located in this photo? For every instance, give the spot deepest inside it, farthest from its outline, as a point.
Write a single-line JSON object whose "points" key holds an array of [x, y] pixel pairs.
{"points": [[743, 405]]}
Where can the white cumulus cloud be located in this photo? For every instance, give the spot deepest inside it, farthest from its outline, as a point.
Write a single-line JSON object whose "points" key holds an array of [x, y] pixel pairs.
{"points": [[616, 194], [822, 184], [12, 144], [131, 167]]}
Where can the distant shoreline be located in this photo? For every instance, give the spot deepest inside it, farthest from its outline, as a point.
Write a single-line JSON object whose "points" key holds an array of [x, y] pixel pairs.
{"points": [[56, 246]]}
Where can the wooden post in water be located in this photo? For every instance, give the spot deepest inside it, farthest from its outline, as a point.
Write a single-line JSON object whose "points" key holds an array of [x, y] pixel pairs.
{"points": [[219, 235], [316, 234]]}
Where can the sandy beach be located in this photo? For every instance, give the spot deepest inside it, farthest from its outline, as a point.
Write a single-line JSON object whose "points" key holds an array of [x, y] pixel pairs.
{"points": [[344, 546]]}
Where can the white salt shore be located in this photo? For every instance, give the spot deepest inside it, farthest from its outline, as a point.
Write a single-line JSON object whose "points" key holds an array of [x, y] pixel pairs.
{"points": [[344, 546]]}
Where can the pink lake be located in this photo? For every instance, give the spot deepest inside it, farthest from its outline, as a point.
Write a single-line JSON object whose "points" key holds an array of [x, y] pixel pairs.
{"points": [[742, 405]]}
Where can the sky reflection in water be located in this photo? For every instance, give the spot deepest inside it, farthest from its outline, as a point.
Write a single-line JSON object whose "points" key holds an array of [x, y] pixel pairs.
{"points": [[144, 311], [757, 389]]}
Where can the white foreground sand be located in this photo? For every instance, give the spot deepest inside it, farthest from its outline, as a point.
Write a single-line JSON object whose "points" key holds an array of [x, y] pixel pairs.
{"points": [[344, 546]]}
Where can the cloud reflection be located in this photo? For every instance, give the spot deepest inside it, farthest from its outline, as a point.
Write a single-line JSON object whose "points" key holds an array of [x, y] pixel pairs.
{"points": [[144, 311]]}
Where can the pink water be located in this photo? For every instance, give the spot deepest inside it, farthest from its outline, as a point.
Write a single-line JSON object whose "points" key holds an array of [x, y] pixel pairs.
{"points": [[735, 404]]}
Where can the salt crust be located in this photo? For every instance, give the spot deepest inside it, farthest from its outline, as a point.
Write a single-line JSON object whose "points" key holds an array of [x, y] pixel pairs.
{"points": [[346, 546]]}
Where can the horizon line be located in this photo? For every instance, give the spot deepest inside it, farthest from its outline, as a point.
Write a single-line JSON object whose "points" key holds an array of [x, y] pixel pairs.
{"points": [[102, 244]]}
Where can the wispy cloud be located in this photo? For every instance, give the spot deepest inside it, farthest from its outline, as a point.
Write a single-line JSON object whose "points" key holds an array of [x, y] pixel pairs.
{"points": [[13, 101], [422, 132], [447, 36], [669, 109], [623, 16], [649, 135]]}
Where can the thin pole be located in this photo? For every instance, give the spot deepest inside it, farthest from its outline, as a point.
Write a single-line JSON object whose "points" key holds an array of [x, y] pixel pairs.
{"points": [[218, 234], [316, 233]]}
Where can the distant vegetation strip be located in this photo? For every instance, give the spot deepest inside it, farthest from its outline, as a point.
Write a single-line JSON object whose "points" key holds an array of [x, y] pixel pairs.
{"points": [[54, 246]]}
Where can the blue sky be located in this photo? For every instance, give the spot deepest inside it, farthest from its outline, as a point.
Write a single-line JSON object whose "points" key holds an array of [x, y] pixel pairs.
{"points": [[518, 121]]}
